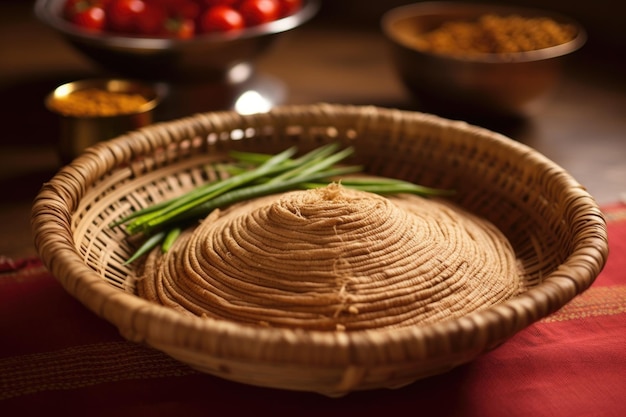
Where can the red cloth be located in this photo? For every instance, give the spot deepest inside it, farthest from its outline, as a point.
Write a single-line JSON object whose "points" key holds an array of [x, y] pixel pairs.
{"points": [[57, 357]]}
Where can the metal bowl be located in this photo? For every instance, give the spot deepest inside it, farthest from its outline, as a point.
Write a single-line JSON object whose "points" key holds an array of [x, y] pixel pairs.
{"points": [[485, 85], [205, 57], [77, 133]]}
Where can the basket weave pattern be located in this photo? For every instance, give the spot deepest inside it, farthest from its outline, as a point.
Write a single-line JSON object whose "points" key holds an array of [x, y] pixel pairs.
{"points": [[334, 259], [555, 227]]}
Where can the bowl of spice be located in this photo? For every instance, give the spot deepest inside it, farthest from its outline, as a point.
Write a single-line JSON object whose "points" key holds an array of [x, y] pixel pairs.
{"points": [[479, 60], [94, 110]]}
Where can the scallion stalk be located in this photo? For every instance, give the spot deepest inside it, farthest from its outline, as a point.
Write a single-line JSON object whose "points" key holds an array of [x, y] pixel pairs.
{"points": [[254, 175]]}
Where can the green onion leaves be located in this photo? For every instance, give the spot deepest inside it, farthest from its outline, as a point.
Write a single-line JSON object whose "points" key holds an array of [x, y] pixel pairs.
{"points": [[254, 175]]}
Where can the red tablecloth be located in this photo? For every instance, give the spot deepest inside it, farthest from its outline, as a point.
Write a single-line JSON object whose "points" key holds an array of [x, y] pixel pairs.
{"points": [[58, 357]]}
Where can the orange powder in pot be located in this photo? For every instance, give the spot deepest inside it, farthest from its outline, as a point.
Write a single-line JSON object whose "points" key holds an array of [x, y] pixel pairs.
{"points": [[95, 102], [495, 35]]}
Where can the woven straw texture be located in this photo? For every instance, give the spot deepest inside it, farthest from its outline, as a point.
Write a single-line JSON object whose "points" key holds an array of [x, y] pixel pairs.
{"points": [[554, 227], [334, 259]]}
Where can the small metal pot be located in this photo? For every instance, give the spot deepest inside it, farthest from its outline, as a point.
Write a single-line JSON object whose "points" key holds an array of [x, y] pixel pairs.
{"points": [[79, 132]]}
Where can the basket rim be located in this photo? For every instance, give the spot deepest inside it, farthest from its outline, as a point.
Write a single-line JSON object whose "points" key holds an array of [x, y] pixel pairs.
{"points": [[148, 320]]}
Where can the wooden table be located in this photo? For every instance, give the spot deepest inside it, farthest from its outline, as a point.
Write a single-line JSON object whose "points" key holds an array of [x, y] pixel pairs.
{"points": [[582, 127]]}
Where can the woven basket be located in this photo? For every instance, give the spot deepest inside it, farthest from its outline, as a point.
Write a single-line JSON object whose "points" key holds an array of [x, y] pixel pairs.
{"points": [[554, 225]]}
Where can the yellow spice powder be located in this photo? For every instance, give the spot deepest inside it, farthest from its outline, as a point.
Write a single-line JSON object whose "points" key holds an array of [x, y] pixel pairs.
{"points": [[95, 102], [496, 35]]}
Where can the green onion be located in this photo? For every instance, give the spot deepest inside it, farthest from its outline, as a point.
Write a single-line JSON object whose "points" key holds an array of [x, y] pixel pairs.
{"points": [[254, 191], [147, 246], [171, 236], [205, 193], [254, 175]]}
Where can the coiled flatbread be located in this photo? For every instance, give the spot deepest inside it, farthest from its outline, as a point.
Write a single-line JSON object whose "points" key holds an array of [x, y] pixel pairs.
{"points": [[334, 258]]}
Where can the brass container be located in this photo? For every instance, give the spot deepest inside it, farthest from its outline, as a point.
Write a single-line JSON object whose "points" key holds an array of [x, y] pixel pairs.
{"points": [[488, 85], [77, 133]]}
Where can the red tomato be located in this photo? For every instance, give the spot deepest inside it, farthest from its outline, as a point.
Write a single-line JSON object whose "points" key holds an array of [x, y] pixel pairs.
{"points": [[101, 3], [189, 9], [221, 19], [72, 7], [123, 15], [256, 12], [151, 21], [288, 7], [180, 28], [92, 18], [212, 3]]}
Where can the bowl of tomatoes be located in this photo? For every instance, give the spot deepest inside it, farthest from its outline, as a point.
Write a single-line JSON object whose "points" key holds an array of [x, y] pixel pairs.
{"points": [[173, 40]]}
